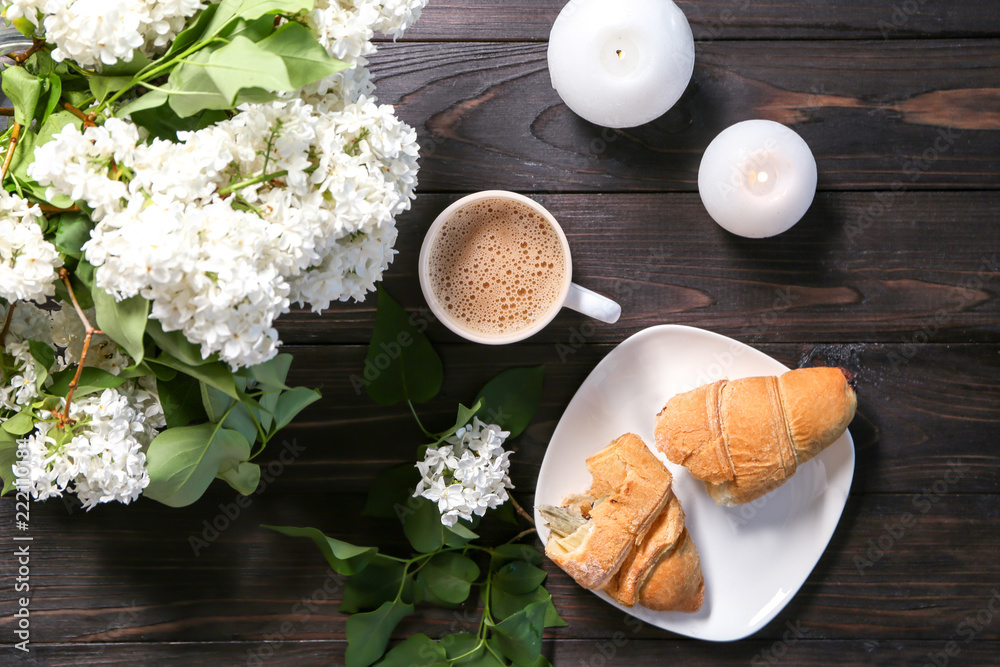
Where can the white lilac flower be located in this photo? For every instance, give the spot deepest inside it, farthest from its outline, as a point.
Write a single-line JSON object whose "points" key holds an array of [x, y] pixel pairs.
{"points": [[103, 32], [468, 476], [100, 459], [28, 262], [77, 163]]}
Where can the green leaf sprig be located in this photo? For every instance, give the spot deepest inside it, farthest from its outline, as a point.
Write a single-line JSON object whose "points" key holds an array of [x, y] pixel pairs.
{"points": [[447, 567]]}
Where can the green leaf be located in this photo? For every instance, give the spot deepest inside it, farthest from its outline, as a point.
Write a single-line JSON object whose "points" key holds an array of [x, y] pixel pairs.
{"points": [[190, 89], [512, 399], [271, 374], [240, 419], [391, 491], [423, 527], [244, 478], [181, 400], [151, 100], [116, 77], [8, 459], [215, 402], [176, 345], [123, 321], [510, 553], [55, 92], [304, 57], [368, 634], [23, 89], [182, 462], [379, 582], [463, 644], [72, 232], [449, 576], [44, 357], [417, 651], [520, 636], [253, 9], [243, 64], [291, 403], [254, 30], [519, 577], [92, 380], [504, 605], [194, 33], [344, 558], [22, 423], [461, 531], [163, 123], [401, 363], [214, 374], [464, 417]]}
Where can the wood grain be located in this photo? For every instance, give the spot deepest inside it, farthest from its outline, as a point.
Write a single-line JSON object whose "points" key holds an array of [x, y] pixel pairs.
{"points": [[98, 578], [727, 19], [918, 114], [920, 409], [879, 267], [893, 274], [621, 649]]}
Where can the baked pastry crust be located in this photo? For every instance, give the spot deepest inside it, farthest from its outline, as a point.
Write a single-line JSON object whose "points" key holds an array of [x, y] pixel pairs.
{"points": [[630, 488], [747, 437]]}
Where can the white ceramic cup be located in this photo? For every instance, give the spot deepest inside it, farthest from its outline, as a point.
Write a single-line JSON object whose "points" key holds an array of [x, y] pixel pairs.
{"points": [[570, 296]]}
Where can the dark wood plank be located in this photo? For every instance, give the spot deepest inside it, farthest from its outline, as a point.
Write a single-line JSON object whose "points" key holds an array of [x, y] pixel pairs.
{"points": [[728, 19], [877, 267], [128, 574], [616, 650], [487, 115]]}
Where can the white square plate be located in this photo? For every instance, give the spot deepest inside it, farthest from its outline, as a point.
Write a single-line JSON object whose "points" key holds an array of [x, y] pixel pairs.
{"points": [[755, 557]]}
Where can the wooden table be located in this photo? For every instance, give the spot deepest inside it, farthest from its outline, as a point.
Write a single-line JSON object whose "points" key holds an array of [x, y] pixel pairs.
{"points": [[893, 274]]}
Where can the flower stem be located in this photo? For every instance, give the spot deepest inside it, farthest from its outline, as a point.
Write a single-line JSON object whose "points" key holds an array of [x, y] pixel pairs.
{"points": [[14, 134], [90, 331], [520, 535], [251, 181], [36, 46], [88, 119], [520, 510], [419, 423]]}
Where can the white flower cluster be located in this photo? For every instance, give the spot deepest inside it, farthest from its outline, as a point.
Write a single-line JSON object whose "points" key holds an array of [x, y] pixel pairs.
{"points": [[100, 458], [28, 262], [96, 32], [346, 29], [469, 475], [222, 267]]}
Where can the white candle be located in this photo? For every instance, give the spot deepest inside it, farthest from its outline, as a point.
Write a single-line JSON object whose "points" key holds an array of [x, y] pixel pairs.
{"points": [[757, 178], [621, 63]]}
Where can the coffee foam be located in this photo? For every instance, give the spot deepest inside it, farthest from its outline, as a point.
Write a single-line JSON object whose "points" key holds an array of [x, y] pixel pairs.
{"points": [[496, 267]]}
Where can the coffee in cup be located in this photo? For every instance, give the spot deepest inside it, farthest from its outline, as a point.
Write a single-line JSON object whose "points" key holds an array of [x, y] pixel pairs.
{"points": [[497, 267]]}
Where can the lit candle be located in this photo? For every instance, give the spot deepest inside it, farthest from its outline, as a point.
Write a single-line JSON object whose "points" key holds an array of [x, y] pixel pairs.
{"points": [[621, 63], [757, 178]]}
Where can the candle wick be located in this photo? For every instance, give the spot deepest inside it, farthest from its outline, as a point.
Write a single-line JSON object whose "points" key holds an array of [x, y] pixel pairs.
{"points": [[621, 55]]}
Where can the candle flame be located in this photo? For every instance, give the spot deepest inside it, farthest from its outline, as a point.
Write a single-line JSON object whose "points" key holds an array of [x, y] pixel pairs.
{"points": [[621, 54], [762, 177]]}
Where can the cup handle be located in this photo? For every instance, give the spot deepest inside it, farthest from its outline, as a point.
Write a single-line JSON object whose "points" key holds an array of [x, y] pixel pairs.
{"points": [[592, 304]]}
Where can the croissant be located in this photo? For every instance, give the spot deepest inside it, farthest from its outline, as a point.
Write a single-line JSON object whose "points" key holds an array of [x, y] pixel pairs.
{"points": [[662, 573], [641, 555], [747, 437], [592, 534]]}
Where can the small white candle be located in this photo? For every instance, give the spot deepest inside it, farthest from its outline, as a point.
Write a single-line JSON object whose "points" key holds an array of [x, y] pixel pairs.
{"points": [[621, 63], [757, 178]]}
